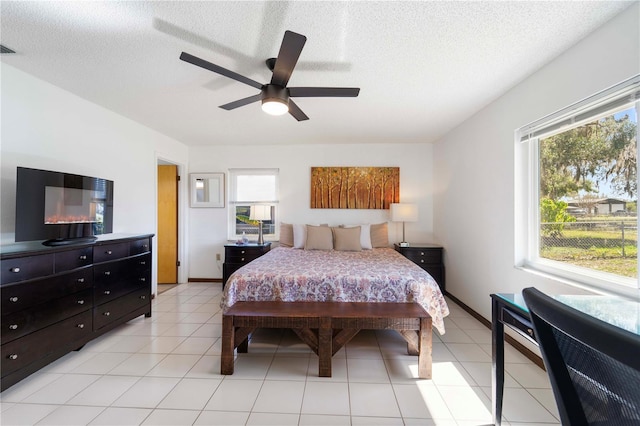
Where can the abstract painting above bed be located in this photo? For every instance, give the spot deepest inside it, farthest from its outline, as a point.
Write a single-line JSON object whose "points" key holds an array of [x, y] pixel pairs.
{"points": [[378, 275]]}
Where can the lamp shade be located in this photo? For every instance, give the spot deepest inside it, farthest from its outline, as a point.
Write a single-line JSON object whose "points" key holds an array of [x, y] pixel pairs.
{"points": [[404, 212], [260, 212], [275, 107]]}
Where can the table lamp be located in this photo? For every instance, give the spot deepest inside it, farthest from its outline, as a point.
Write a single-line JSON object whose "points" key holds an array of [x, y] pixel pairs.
{"points": [[260, 213], [404, 212]]}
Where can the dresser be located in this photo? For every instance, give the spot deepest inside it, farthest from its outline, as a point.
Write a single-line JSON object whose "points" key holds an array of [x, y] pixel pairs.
{"points": [[56, 299], [428, 257], [238, 255]]}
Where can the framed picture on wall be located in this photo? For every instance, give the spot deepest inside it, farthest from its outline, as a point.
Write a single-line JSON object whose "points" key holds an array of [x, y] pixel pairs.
{"points": [[354, 187]]}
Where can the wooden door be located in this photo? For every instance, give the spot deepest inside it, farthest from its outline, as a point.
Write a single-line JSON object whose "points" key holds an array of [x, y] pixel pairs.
{"points": [[167, 224]]}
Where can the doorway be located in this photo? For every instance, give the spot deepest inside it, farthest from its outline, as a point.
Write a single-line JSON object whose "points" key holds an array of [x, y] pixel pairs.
{"points": [[167, 223]]}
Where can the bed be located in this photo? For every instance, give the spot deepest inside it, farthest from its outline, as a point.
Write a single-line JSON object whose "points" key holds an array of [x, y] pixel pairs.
{"points": [[327, 296], [371, 276]]}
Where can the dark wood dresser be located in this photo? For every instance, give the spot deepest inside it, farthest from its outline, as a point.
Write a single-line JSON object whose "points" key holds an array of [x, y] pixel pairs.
{"points": [[56, 299], [428, 257], [238, 255]]}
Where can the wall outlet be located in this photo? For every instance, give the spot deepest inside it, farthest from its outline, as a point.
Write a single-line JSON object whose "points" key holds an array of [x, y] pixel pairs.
{"points": [[217, 256]]}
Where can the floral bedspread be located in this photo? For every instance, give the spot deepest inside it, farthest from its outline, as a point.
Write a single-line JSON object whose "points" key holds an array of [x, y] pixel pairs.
{"points": [[378, 275]]}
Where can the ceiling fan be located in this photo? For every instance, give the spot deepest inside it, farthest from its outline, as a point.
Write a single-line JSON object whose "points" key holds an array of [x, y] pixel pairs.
{"points": [[276, 96]]}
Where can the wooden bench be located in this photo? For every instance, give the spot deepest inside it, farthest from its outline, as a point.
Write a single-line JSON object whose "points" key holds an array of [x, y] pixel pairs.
{"points": [[326, 327]]}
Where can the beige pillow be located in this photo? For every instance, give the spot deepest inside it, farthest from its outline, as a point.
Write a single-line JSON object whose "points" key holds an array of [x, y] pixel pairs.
{"points": [[346, 239], [379, 235], [286, 234], [318, 238]]}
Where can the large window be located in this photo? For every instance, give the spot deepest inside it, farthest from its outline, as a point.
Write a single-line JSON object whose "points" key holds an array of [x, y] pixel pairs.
{"points": [[582, 206], [257, 188]]}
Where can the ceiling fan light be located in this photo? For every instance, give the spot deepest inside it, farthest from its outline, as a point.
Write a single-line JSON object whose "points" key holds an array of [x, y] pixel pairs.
{"points": [[275, 106]]}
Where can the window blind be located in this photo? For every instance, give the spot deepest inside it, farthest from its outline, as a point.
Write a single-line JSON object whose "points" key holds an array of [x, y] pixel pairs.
{"points": [[600, 104]]}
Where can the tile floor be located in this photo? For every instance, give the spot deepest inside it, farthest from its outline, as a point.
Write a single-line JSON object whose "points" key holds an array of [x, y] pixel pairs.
{"points": [[164, 370]]}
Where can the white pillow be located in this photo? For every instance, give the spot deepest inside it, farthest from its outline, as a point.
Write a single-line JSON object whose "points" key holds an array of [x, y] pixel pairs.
{"points": [[299, 235], [365, 235]]}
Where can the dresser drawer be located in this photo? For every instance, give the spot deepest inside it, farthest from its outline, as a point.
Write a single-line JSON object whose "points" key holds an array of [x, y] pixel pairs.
{"points": [[421, 256], [109, 312], [107, 252], [111, 272], [21, 352], [115, 279], [26, 268], [141, 264], [27, 321], [72, 259], [242, 258], [140, 246], [18, 296], [242, 254]]}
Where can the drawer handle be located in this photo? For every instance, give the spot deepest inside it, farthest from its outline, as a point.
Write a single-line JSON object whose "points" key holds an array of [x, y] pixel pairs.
{"points": [[13, 327], [13, 299], [80, 302], [107, 272], [15, 270], [142, 262], [106, 314], [80, 280], [143, 279], [109, 252], [107, 292], [80, 325], [242, 259], [421, 260], [530, 331], [242, 252], [143, 297], [83, 257], [145, 246], [13, 356]]}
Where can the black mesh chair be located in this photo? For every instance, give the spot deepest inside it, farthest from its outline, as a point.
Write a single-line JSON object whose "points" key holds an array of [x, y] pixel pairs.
{"points": [[594, 367]]}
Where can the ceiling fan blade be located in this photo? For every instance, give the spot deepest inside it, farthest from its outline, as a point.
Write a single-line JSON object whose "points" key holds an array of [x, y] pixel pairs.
{"points": [[320, 92], [241, 102], [290, 50], [219, 70], [296, 111]]}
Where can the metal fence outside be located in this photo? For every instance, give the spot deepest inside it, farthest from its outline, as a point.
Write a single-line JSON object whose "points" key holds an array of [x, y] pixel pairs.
{"points": [[248, 229], [591, 234]]}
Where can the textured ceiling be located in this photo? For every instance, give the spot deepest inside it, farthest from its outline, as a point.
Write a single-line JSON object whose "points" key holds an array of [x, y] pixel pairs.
{"points": [[423, 67]]}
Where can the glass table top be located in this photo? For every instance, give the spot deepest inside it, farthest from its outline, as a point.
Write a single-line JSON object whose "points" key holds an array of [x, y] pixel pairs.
{"points": [[618, 311]]}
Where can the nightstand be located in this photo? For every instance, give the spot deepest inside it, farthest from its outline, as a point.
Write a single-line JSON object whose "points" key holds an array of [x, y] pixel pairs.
{"points": [[238, 255], [428, 257]]}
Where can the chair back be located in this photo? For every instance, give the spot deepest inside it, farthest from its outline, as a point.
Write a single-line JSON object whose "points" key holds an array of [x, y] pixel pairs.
{"points": [[593, 366]]}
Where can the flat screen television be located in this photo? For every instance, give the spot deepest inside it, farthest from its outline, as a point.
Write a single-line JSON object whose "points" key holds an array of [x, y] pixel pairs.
{"points": [[62, 208]]}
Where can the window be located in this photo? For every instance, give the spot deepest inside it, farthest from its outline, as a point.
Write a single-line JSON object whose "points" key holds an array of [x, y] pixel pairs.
{"points": [[580, 213], [252, 187]]}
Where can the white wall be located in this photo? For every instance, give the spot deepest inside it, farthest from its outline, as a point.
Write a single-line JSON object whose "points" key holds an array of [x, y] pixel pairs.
{"points": [[476, 164], [209, 226], [45, 127]]}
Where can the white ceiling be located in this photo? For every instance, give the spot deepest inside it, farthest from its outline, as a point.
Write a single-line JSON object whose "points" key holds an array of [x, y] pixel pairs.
{"points": [[423, 67]]}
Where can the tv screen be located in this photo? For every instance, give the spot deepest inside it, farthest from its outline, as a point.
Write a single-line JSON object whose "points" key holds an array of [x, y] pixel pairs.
{"points": [[62, 207]]}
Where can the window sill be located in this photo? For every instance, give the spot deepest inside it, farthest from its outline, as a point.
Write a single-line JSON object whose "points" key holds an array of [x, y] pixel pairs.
{"points": [[608, 290]]}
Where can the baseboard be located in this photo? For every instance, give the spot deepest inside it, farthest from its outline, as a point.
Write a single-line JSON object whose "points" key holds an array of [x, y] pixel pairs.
{"points": [[513, 342], [204, 280]]}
